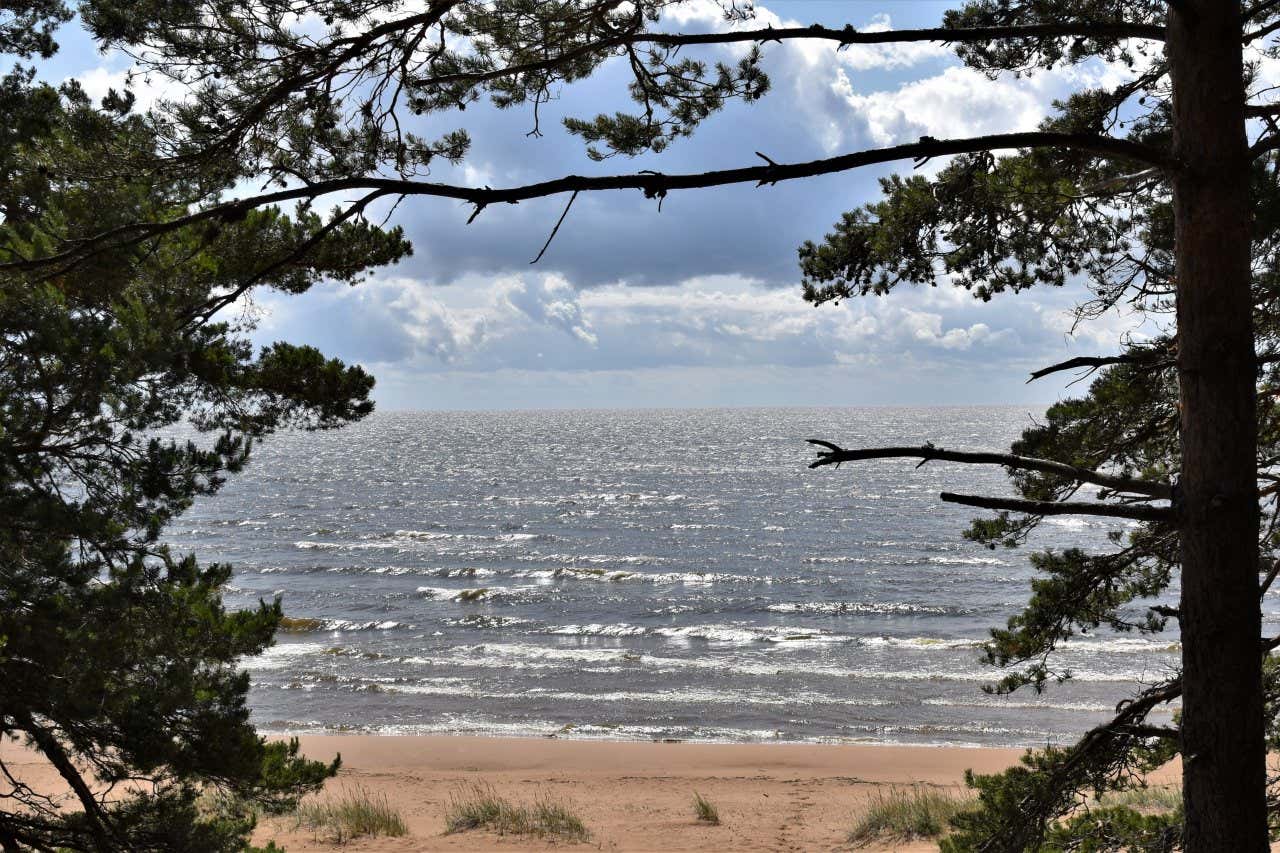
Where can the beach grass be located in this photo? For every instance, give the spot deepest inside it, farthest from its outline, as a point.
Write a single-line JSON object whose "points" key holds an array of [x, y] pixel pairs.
{"points": [[705, 810], [354, 813], [917, 813], [481, 807], [1146, 798]]}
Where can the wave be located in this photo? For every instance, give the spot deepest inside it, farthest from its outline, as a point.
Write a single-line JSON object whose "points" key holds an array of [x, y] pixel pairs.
{"points": [[881, 607], [1002, 703], [457, 724], [609, 660], [481, 593], [921, 643], [729, 634], [281, 655], [618, 575], [472, 689], [593, 559], [305, 625], [409, 540]]}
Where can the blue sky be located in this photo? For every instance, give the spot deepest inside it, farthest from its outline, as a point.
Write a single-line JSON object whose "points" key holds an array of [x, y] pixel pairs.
{"points": [[696, 305]]}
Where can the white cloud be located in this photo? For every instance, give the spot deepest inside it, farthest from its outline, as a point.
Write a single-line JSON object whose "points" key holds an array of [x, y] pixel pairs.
{"points": [[552, 301], [147, 90]]}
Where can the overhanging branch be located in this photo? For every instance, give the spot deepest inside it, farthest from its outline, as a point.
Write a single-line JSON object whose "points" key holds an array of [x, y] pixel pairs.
{"points": [[1137, 513], [1096, 362], [652, 184], [834, 455], [843, 36]]}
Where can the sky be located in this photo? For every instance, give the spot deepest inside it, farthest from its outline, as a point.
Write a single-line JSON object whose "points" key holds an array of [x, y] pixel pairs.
{"points": [[698, 304]]}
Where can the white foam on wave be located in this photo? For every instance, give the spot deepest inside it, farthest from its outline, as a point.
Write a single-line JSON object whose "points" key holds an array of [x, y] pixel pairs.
{"points": [[990, 702], [592, 559], [281, 656], [919, 643], [747, 635], [1121, 644], [352, 625], [837, 607], [481, 593], [523, 656], [725, 634], [622, 575], [967, 561]]}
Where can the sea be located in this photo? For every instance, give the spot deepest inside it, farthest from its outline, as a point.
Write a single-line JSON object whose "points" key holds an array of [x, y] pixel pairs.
{"points": [[648, 575]]}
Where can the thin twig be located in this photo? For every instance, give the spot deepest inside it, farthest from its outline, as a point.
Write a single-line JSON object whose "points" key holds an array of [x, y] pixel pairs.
{"points": [[559, 222]]}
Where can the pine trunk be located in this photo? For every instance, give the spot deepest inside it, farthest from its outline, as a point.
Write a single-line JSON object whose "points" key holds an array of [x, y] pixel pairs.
{"points": [[1224, 773]]}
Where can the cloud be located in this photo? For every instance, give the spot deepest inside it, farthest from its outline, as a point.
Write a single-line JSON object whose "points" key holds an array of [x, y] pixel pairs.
{"points": [[536, 322], [147, 90], [552, 301]]}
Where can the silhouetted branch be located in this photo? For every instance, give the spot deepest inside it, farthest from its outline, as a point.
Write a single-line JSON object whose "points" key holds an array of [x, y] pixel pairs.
{"points": [[835, 455], [1096, 362], [1269, 579], [559, 222], [1137, 513], [652, 184]]}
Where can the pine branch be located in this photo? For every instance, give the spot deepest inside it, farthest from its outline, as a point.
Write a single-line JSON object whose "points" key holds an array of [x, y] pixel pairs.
{"points": [[652, 184], [844, 36], [100, 826], [1096, 362], [834, 455], [1137, 513]]}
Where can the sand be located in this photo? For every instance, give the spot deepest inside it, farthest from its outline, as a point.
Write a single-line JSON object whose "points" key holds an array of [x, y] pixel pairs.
{"points": [[635, 796], [631, 796]]}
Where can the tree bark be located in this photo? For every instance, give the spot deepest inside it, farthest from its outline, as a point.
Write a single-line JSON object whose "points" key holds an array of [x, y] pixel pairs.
{"points": [[1224, 773]]}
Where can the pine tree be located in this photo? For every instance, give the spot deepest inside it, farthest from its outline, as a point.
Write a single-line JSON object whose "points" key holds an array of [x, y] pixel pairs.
{"points": [[118, 660]]}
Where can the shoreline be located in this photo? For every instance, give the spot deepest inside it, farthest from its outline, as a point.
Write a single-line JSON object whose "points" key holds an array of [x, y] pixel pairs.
{"points": [[571, 737]]}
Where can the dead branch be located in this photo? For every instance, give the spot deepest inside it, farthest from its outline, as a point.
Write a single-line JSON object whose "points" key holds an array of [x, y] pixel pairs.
{"points": [[834, 455], [1135, 512]]}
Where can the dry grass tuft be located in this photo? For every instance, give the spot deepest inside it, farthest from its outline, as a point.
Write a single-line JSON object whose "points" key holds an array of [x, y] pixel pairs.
{"points": [[705, 810], [1149, 798], [351, 814], [907, 814], [480, 807]]}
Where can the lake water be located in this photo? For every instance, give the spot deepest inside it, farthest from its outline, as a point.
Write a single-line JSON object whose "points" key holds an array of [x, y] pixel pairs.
{"points": [[645, 574]]}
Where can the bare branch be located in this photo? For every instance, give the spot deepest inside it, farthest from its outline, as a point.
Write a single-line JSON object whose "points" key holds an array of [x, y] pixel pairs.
{"points": [[1137, 513], [653, 185], [834, 455], [1269, 579], [559, 222], [1095, 362]]}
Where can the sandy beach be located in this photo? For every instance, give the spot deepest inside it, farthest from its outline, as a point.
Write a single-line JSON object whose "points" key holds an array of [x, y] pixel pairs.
{"points": [[632, 796], [635, 796]]}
